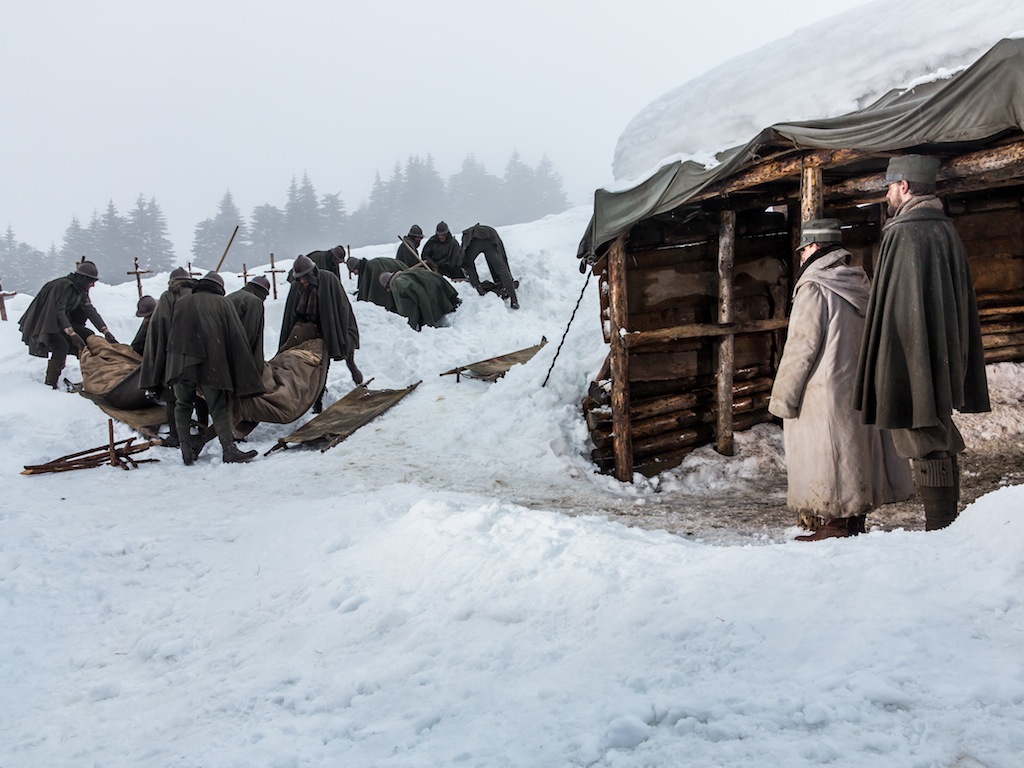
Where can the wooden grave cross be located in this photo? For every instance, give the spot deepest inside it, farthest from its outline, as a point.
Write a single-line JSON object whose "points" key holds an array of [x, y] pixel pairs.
{"points": [[245, 274], [138, 275], [273, 272], [193, 273], [3, 307]]}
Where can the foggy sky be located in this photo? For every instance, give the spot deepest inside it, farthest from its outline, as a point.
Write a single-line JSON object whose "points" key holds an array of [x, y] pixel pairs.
{"points": [[185, 100]]}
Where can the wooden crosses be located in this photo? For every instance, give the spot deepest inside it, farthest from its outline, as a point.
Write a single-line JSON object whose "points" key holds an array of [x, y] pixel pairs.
{"points": [[138, 275]]}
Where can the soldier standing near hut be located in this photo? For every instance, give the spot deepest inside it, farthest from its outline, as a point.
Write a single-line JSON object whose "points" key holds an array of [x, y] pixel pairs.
{"points": [[248, 303], [836, 467], [922, 354], [318, 307], [443, 253], [207, 349], [409, 249], [54, 322]]}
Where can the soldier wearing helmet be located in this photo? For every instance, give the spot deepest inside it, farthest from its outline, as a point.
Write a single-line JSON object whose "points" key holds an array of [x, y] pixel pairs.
{"points": [[143, 309], [54, 323], [317, 307], [409, 249]]}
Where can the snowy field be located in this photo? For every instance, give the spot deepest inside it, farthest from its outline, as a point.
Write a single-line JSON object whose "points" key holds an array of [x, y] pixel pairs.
{"points": [[417, 596]]}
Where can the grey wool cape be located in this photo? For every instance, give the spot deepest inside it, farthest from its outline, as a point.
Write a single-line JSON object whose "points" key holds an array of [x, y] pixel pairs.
{"points": [[207, 345], [922, 355], [446, 256], [248, 304], [154, 355], [61, 303], [336, 321], [836, 466], [422, 297]]}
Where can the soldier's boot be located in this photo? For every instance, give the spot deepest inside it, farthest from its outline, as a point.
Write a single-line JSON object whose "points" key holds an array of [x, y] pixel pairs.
{"points": [[188, 453], [350, 361], [172, 440], [232, 454], [839, 528], [938, 485], [53, 369], [318, 406]]}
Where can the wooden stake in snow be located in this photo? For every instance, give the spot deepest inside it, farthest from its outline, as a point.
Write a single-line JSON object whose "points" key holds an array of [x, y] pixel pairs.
{"points": [[138, 275]]}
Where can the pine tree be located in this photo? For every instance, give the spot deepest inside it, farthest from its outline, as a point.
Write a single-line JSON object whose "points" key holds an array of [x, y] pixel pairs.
{"points": [[334, 222], [473, 194], [267, 234], [111, 254], [548, 193], [212, 236], [78, 241], [146, 236], [517, 191], [422, 195], [302, 216]]}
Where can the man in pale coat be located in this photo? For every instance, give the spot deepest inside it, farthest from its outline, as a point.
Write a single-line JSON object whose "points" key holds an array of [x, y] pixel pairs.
{"points": [[838, 469]]}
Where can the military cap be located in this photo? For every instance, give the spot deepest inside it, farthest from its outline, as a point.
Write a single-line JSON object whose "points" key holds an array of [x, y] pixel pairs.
{"points": [[179, 273], [442, 228], [355, 265], [919, 170], [415, 231], [303, 266], [820, 231], [261, 282], [385, 278]]}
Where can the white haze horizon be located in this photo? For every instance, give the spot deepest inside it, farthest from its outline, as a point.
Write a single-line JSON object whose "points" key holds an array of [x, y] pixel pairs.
{"points": [[185, 101]]}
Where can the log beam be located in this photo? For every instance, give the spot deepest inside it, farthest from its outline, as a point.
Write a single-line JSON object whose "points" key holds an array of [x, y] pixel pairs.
{"points": [[726, 346], [618, 359]]}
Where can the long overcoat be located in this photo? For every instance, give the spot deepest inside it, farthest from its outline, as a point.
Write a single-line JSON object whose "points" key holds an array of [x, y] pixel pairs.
{"points": [[446, 256], [61, 303], [154, 354], [248, 303], [337, 321], [369, 287], [922, 355], [207, 345], [836, 466]]}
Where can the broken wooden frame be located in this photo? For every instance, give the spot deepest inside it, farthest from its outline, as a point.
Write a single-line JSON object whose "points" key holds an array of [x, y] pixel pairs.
{"points": [[493, 368], [117, 454]]}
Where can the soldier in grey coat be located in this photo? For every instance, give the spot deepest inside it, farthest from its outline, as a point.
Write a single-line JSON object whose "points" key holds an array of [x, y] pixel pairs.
{"points": [[837, 468]]}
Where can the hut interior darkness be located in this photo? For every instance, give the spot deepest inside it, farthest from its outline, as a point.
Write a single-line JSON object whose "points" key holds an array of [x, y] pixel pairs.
{"points": [[696, 265]]}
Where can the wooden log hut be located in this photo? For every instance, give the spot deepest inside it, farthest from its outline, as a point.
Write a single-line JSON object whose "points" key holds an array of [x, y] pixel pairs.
{"points": [[696, 265]]}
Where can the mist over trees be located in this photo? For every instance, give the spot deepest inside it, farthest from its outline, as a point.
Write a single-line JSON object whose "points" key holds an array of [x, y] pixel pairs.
{"points": [[413, 193]]}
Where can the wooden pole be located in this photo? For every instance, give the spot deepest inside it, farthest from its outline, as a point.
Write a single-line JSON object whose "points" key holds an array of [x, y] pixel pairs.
{"points": [[192, 272], [273, 272], [225, 254], [245, 274], [618, 316], [811, 194], [726, 345]]}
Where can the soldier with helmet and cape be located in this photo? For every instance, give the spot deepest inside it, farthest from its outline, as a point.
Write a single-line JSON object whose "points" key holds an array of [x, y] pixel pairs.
{"points": [[317, 307], [54, 322]]}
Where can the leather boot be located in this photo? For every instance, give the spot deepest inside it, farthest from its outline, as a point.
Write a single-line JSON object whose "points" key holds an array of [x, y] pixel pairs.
{"points": [[188, 453], [357, 375], [937, 483], [857, 524], [232, 455], [833, 529], [940, 507], [53, 371]]}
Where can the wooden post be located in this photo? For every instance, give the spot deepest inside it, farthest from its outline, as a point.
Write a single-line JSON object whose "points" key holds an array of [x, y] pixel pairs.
{"points": [[193, 273], [245, 274], [228, 248], [811, 194], [3, 307], [273, 272], [138, 275], [726, 344], [618, 317]]}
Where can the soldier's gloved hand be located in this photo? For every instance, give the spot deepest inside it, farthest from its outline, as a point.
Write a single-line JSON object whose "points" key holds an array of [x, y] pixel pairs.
{"points": [[77, 340], [109, 336]]}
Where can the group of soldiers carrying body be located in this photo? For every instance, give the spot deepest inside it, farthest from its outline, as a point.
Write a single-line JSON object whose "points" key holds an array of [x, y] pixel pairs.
{"points": [[195, 339]]}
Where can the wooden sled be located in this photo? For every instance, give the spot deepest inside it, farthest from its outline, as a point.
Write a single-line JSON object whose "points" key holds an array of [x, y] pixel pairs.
{"points": [[339, 420], [493, 368]]}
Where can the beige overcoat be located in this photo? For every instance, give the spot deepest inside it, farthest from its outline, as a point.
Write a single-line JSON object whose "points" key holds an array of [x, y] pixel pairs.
{"points": [[836, 466]]}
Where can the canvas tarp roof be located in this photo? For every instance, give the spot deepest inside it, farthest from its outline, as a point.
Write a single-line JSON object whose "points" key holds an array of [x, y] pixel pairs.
{"points": [[983, 101]]}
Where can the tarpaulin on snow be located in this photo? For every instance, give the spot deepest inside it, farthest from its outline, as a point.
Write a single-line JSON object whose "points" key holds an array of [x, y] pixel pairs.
{"points": [[356, 409], [494, 368], [982, 102]]}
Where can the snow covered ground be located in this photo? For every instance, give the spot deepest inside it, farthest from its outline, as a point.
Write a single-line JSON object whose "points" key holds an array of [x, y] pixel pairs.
{"points": [[418, 596]]}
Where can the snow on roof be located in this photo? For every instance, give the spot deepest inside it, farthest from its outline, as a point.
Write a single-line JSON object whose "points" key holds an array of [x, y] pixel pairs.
{"points": [[830, 68]]}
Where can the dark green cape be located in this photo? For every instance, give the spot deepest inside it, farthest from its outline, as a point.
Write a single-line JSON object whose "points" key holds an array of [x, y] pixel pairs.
{"points": [[422, 297], [154, 356], [61, 303], [446, 256], [207, 345], [922, 354], [338, 326], [369, 287], [248, 303], [326, 260]]}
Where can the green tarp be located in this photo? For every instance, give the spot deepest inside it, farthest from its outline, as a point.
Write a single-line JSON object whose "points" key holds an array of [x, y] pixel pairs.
{"points": [[982, 102]]}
